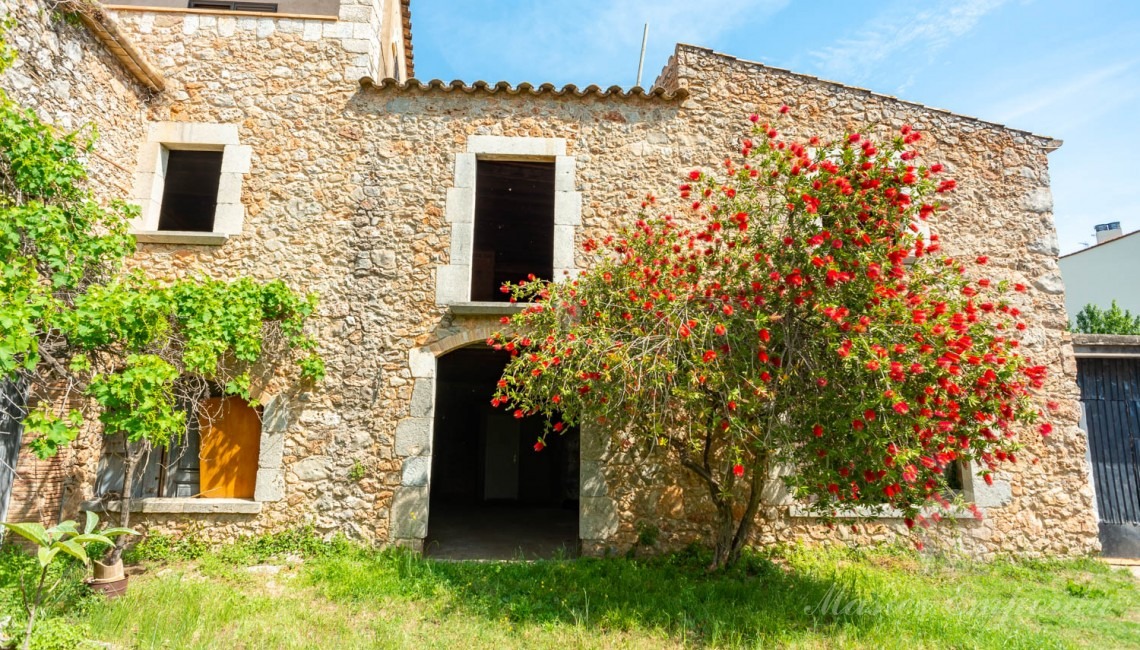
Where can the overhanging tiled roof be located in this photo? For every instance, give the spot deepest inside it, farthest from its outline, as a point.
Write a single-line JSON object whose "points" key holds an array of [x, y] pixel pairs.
{"points": [[570, 90], [406, 16], [104, 29]]}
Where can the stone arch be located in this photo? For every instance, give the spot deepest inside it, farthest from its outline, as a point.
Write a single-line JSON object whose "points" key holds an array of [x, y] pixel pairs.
{"points": [[408, 515]]}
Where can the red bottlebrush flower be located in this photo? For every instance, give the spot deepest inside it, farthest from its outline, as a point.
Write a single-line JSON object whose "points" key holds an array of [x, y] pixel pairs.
{"points": [[754, 118], [947, 185], [731, 405], [858, 425], [910, 474], [1019, 287], [935, 168], [738, 469], [765, 377], [982, 259], [558, 427], [869, 415], [708, 356], [1046, 428], [817, 431], [988, 478], [765, 335], [901, 408], [833, 488], [720, 330], [784, 109], [918, 545], [556, 399], [909, 522], [727, 309], [853, 138], [539, 446], [695, 175], [821, 382]]}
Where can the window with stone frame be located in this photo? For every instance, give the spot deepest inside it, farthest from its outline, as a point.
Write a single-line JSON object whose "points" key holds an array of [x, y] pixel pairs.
{"points": [[556, 210], [188, 183], [217, 457]]}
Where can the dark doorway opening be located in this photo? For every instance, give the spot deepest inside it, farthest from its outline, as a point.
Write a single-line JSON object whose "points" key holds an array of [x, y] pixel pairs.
{"points": [[492, 495], [514, 225]]}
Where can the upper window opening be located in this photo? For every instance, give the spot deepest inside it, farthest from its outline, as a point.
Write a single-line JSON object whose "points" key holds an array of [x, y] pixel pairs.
{"points": [[190, 193], [514, 225], [234, 6]]}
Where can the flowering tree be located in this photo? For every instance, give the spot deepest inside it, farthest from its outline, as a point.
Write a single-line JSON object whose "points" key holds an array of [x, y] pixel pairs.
{"points": [[791, 315]]}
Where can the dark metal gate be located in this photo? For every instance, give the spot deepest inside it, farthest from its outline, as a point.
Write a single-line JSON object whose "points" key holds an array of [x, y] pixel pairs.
{"points": [[11, 415], [1110, 393]]}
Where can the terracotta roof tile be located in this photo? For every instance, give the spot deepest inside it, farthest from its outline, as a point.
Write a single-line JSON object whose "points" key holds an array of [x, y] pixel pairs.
{"points": [[525, 88]]}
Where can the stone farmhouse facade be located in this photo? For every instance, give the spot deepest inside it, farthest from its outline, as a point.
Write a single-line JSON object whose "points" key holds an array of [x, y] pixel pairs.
{"points": [[339, 172]]}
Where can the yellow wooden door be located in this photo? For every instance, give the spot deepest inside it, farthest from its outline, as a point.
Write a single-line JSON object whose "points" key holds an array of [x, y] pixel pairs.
{"points": [[230, 442]]}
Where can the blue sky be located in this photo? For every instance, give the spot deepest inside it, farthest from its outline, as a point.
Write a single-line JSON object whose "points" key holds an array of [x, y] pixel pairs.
{"points": [[1069, 69]]}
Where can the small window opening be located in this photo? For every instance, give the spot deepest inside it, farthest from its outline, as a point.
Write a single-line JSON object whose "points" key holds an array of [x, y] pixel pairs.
{"points": [[190, 193], [216, 457], [233, 6], [514, 225], [954, 478]]}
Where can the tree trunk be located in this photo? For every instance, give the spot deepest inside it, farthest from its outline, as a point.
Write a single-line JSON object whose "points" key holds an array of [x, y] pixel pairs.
{"points": [[34, 609], [731, 535], [130, 460]]}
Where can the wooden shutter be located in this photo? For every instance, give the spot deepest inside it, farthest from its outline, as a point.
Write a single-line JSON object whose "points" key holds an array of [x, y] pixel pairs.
{"points": [[230, 441]]}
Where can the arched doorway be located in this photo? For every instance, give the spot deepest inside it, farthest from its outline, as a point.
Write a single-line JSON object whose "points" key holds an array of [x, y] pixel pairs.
{"points": [[492, 495]]}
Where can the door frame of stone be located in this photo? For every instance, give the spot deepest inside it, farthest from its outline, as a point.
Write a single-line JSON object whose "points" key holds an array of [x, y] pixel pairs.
{"points": [[409, 512]]}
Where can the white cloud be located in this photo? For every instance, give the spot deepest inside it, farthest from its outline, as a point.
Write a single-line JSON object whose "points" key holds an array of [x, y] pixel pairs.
{"points": [[1086, 92], [895, 35]]}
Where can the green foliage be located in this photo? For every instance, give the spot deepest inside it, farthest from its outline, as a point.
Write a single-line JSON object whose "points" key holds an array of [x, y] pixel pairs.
{"points": [[157, 547], [66, 538], [1114, 320], [63, 540], [61, 634], [357, 472], [71, 316]]}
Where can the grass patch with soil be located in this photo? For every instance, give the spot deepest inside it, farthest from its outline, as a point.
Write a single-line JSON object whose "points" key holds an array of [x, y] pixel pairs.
{"points": [[294, 591]]}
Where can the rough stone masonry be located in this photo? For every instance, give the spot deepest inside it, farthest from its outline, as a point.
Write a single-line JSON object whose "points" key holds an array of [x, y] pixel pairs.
{"points": [[359, 191]]}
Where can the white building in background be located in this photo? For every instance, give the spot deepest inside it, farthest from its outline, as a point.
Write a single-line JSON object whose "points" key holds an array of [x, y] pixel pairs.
{"points": [[1106, 271]]}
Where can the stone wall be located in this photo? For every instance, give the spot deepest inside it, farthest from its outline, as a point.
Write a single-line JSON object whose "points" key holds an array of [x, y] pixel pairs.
{"points": [[347, 195]]}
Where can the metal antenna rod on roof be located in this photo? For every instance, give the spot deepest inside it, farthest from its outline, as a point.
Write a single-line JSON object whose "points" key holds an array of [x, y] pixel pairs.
{"points": [[641, 61]]}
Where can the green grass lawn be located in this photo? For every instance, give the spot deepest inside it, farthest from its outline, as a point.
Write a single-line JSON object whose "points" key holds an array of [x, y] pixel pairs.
{"points": [[342, 596]]}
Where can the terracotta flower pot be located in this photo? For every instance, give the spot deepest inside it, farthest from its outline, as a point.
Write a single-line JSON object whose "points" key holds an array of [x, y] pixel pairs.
{"points": [[109, 588], [109, 579]]}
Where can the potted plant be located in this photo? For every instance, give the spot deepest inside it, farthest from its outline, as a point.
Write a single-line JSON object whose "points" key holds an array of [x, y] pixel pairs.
{"points": [[50, 542]]}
